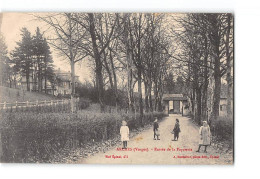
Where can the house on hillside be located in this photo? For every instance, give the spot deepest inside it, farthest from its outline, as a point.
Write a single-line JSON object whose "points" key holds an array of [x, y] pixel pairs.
{"points": [[223, 101], [60, 87], [63, 83]]}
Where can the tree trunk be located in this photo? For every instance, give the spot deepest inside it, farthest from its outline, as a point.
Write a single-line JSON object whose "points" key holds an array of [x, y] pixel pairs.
{"points": [[146, 96], [45, 79], [198, 100], [28, 78], [215, 39], [160, 93], [108, 71], [129, 81], [139, 75], [205, 84], [217, 90], [155, 96], [72, 65], [98, 62], [150, 99], [39, 74], [115, 79], [72, 86], [229, 80]]}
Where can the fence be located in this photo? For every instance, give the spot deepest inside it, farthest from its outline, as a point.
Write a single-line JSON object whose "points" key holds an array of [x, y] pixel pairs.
{"points": [[63, 105]]}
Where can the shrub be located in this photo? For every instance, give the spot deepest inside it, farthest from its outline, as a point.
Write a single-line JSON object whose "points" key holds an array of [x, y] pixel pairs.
{"points": [[37, 137], [84, 103], [222, 129]]}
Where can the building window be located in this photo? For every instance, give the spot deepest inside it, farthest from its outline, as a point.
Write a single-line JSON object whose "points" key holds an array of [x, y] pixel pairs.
{"points": [[222, 107]]}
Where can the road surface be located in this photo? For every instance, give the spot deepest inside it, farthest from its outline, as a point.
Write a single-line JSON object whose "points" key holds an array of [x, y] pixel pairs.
{"points": [[142, 149]]}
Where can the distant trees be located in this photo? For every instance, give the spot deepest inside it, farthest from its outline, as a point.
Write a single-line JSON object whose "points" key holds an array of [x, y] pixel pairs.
{"points": [[22, 56], [66, 41], [205, 49], [142, 52], [169, 84], [101, 30], [135, 37], [43, 60], [155, 59], [6, 75], [117, 43], [32, 58], [139, 51], [229, 45]]}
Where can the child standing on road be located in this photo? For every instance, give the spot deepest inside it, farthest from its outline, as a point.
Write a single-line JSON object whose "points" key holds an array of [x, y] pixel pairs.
{"points": [[204, 136], [124, 131], [156, 132], [176, 130]]}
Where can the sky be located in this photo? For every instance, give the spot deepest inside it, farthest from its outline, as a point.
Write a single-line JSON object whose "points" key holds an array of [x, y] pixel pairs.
{"points": [[11, 26], [12, 23]]}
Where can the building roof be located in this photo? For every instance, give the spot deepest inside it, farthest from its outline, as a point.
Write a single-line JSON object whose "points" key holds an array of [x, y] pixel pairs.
{"points": [[64, 76], [170, 97]]}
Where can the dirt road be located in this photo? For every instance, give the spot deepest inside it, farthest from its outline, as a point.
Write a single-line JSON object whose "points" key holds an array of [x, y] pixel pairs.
{"points": [[142, 149]]}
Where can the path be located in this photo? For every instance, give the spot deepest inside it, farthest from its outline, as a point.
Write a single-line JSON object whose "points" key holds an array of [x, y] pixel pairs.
{"points": [[145, 150]]}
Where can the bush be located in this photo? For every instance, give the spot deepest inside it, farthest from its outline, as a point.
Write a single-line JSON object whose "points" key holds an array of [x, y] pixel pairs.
{"points": [[84, 103], [32, 137], [222, 129]]}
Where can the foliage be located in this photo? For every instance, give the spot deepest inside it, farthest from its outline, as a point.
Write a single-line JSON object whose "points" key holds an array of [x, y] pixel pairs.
{"points": [[33, 54], [91, 93], [204, 44], [222, 129], [4, 62], [84, 103], [32, 137]]}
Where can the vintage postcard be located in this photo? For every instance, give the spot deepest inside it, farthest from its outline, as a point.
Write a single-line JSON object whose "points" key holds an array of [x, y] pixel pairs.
{"points": [[117, 88]]}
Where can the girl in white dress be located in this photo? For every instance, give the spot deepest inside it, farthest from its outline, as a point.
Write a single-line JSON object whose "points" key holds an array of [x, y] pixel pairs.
{"points": [[124, 131], [204, 136]]}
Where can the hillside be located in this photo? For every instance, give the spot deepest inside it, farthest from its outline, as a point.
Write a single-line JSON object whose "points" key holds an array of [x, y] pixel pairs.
{"points": [[12, 95]]}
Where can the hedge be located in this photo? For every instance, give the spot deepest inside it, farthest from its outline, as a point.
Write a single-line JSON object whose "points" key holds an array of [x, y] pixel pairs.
{"points": [[32, 137], [222, 129]]}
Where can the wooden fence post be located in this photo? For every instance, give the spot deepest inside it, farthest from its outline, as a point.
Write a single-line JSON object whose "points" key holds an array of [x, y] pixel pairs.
{"points": [[37, 106], [45, 106], [16, 106], [55, 105], [77, 104], [5, 105], [68, 104], [1, 148], [27, 105], [62, 105], [51, 106]]}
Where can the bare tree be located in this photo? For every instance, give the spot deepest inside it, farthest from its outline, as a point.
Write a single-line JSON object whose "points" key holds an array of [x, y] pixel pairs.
{"points": [[100, 28], [229, 57], [67, 41], [205, 48]]}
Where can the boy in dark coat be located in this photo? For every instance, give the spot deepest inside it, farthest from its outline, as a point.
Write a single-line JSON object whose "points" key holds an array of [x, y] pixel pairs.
{"points": [[176, 130], [155, 130]]}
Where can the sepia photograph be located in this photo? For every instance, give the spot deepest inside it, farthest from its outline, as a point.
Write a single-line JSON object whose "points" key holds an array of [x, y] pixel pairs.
{"points": [[117, 88]]}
